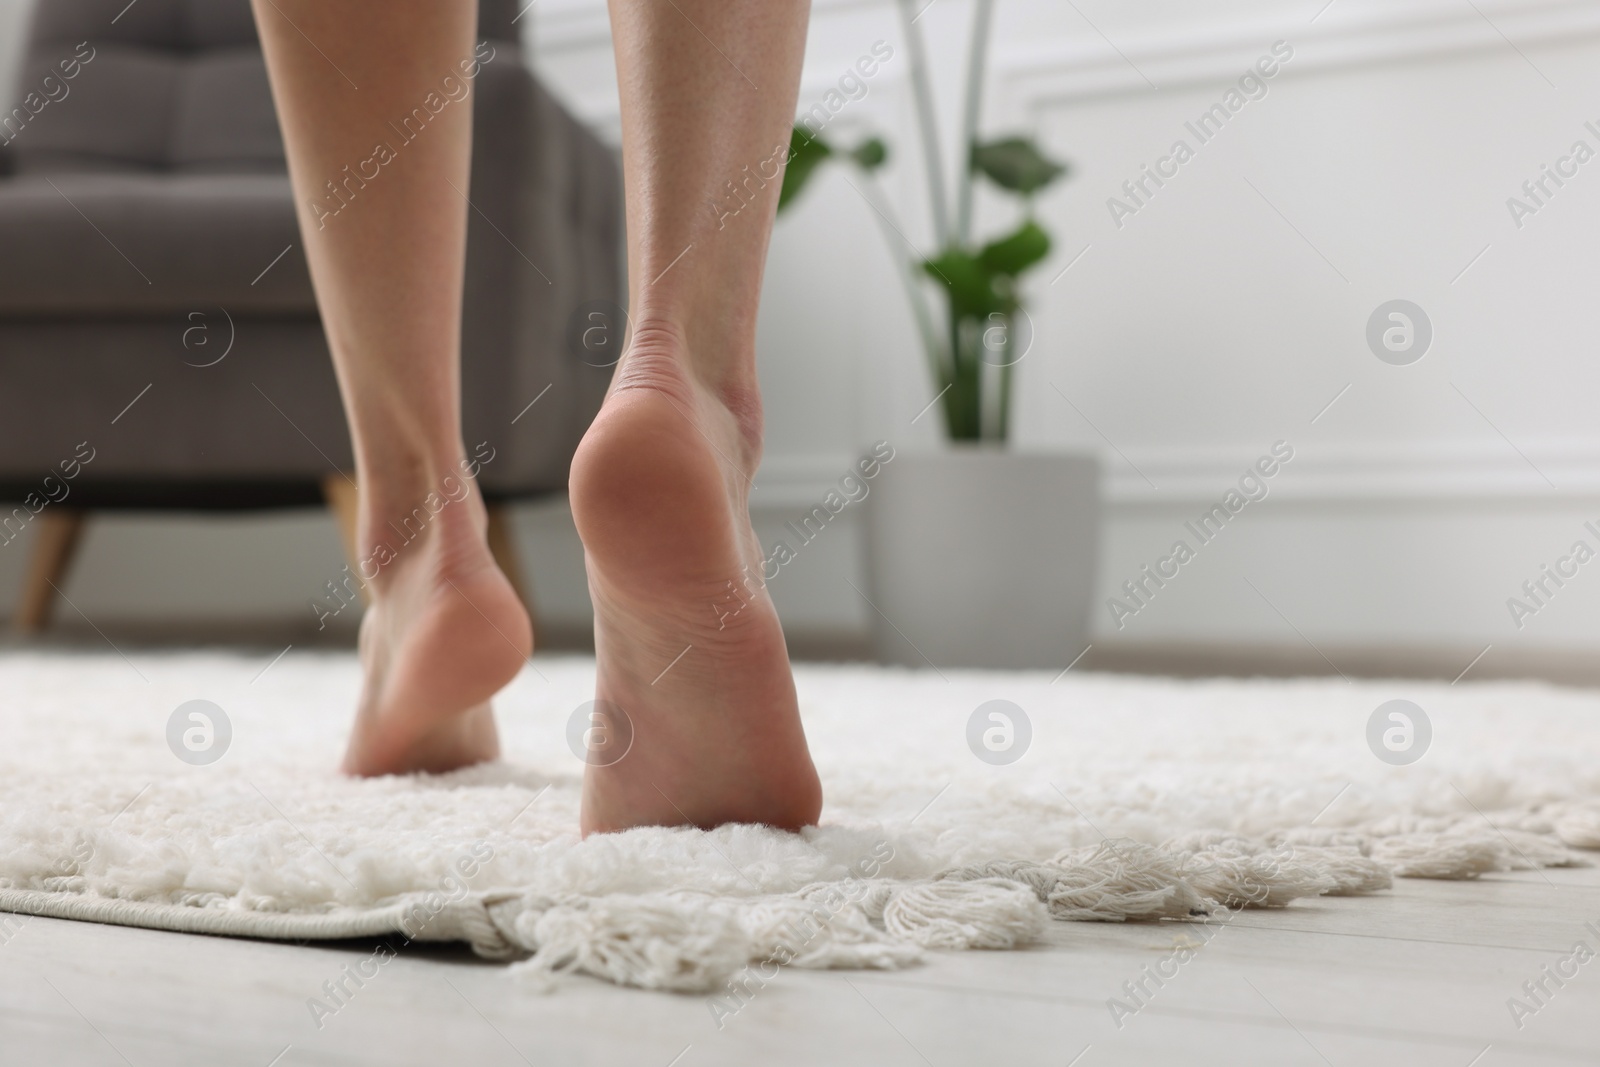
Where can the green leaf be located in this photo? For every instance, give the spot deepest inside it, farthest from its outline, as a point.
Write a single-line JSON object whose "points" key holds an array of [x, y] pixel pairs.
{"points": [[1014, 163], [870, 154], [806, 153], [1015, 253], [969, 283]]}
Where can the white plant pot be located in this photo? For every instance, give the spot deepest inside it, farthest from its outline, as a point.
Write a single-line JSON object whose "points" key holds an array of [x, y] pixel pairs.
{"points": [[979, 557]]}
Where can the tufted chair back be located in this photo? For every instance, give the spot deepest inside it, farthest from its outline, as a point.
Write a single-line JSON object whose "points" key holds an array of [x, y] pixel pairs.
{"points": [[155, 85]]}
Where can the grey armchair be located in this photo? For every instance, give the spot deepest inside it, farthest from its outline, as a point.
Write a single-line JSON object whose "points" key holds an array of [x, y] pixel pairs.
{"points": [[156, 314]]}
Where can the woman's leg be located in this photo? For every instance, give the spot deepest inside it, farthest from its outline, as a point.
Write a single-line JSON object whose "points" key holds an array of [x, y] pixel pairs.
{"points": [[444, 629], [688, 643], [689, 646]]}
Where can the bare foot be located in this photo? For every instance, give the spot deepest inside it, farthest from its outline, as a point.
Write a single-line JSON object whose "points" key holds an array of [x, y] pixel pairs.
{"points": [[659, 492], [443, 633]]}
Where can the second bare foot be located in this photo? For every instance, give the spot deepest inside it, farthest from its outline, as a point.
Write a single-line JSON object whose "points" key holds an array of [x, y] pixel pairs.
{"points": [[687, 642], [444, 631]]}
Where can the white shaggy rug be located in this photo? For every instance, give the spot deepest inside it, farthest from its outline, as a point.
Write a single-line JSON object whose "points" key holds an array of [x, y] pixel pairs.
{"points": [[1137, 799]]}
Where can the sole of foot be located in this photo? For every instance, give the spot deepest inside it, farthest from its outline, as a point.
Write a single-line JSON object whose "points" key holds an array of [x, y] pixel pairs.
{"points": [[687, 642]]}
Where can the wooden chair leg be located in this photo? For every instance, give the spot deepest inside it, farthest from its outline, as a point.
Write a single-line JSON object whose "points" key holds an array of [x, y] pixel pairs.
{"points": [[59, 532], [503, 546], [339, 490]]}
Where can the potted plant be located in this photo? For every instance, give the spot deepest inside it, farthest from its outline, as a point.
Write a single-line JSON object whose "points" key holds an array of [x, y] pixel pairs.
{"points": [[977, 554]]}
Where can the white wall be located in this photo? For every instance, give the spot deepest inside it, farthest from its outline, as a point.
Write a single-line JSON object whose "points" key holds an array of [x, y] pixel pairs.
{"points": [[1220, 318], [1231, 309]]}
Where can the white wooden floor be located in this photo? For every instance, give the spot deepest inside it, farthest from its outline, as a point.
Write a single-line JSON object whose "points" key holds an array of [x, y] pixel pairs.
{"points": [[1418, 976]]}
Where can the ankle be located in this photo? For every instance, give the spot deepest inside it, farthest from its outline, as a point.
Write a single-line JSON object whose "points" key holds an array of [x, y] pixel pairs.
{"points": [[436, 521], [675, 357]]}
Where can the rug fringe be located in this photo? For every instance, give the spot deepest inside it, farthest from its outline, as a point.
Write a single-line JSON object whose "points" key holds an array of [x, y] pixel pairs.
{"points": [[696, 942], [699, 941]]}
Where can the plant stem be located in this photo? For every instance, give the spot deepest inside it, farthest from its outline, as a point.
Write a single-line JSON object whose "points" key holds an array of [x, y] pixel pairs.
{"points": [[928, 121], [1004, 432], [894, 236], [962, 404], [982, 16]]}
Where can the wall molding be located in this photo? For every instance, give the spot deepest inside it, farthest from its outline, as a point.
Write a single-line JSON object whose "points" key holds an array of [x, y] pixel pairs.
{"points": [[1483, 471], [1066, 71], [1455, 473]]}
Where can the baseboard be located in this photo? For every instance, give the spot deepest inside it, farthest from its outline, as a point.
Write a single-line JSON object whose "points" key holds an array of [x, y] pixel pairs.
{"points": [[268, 635], [1559, 665], [1574, 666]]}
